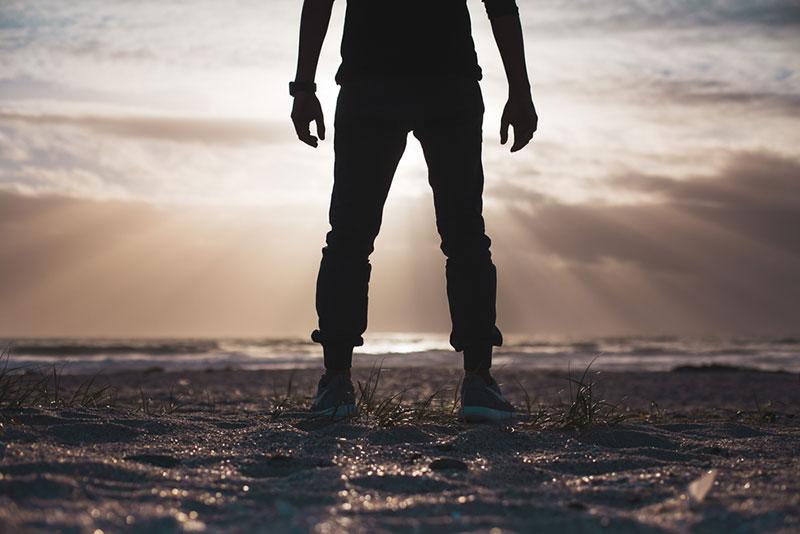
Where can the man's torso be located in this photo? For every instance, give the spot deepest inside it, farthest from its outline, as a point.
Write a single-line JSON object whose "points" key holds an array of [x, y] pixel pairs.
{"points": [[407, 38]]}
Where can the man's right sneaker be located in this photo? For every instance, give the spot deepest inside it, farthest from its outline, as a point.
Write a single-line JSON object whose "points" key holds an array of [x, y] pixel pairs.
{"points": [[336, 397], [482, 402]]}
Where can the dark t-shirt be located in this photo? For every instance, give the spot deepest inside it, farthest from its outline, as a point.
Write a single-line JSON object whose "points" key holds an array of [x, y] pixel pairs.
{"points": [[412, 38]]}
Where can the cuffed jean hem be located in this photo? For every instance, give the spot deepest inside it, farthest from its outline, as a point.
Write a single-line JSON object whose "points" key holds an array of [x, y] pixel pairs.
{"points": [[493, 339], [327, 339]]}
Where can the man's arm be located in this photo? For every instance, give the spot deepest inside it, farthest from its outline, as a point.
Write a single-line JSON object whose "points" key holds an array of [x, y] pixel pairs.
{"points": [[519, 111], [313, 26]]}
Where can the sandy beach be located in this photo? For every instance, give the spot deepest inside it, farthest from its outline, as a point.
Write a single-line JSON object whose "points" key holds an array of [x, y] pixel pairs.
{"points": [[697, 450]]}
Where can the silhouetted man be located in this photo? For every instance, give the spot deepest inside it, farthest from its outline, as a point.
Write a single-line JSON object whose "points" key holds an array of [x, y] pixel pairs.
{"points": [[409, 66]]}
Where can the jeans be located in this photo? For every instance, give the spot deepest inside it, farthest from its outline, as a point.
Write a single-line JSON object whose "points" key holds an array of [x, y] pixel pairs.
{"points": [[373, 118]]}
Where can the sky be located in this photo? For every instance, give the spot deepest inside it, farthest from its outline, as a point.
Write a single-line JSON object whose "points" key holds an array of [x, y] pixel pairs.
{"points": [[151, 183]]}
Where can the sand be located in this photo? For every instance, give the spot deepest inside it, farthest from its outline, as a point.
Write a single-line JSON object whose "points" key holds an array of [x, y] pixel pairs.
{"points": [[233, 451]]}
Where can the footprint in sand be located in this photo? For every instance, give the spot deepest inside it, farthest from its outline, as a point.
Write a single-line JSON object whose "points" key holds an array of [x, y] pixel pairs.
{"points": [[87, 433], [40, 486], [277, 466], [628, 438], [158, 460], [399, 435], [76, 470], [403, 484]]}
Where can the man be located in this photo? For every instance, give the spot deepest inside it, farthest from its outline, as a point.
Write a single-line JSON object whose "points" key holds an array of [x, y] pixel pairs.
{"points": [[409, 66]]}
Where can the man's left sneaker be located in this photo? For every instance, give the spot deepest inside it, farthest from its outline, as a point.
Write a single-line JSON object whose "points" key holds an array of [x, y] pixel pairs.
{"points": [[336, 396], [483, 402]]}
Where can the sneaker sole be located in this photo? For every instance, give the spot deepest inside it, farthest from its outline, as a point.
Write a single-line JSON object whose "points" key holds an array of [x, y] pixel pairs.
{"points": [[345, 410], [481, 414]]}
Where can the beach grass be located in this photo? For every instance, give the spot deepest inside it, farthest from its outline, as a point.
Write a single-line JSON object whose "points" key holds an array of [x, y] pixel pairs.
{"points": [[380, 403], [37, 386], [42, 387], [581, 411], [584, 409]]}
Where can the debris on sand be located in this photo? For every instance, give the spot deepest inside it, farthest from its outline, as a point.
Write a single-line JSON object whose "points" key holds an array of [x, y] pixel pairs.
{"points": [[700, 487]]}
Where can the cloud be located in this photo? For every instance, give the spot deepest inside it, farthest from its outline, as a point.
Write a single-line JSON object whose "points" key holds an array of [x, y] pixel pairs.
{"points": [[104, 51], [754, 201], [756, 195], [177, 129], [749, 180], [626, 15], [182, 161], [717, 252], [705, 93]]}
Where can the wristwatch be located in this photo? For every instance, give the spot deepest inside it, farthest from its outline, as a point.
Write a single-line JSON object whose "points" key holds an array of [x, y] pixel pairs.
{"points": [[299, 87]]}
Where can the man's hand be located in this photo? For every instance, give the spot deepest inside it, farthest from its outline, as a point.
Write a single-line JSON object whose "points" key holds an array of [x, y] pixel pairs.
{"points": [[306, 110], [521, 114]]}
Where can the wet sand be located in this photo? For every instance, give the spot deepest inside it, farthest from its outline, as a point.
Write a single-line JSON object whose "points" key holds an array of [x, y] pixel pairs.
{"points": [[233, 451]]}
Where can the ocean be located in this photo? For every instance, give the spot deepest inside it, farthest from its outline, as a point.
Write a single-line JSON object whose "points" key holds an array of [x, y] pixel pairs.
{"points": [[77, 355]]}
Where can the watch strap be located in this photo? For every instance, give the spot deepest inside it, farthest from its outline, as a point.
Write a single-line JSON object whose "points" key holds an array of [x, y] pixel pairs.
{"points": [[297, 87]]}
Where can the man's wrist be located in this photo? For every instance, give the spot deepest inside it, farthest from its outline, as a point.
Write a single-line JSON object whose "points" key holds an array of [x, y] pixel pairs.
{"points": [[296, 87], [522, 90]]}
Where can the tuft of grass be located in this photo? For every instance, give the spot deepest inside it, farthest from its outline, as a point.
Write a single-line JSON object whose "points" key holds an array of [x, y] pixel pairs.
{"points": [[456, 397], [538, 416], [528, 400], [166, 406], [89, 395], [767, 412], [393, 409], [366, 390], [172, 404], [656, 414], [764, 410], [581, 411], [144, 402], [27, 387], [371, 409], [209, 402], [584, 409], [282, 402]]}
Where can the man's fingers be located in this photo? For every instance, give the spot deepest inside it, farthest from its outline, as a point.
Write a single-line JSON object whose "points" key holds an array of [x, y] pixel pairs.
{"points": [[309, 139], [304, 133], [320, 127], [504, 124], [521, 139]]}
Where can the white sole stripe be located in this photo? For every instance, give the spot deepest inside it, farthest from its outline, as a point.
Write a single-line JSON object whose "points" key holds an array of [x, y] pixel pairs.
{"points": [[481, 413]]}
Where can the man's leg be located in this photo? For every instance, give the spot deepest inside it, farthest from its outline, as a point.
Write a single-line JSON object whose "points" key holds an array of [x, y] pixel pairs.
{"points": [[367, 151], [452, 146]]}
